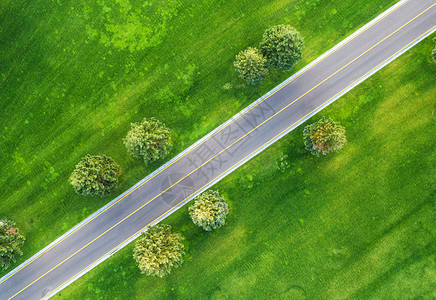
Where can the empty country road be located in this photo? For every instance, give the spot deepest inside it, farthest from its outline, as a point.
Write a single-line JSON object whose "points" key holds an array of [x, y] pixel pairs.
{"points": [[221, 151]]}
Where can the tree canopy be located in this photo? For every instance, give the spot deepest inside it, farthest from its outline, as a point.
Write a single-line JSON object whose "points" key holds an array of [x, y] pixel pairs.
{"points": [[282, 45], [95, 175], [251, 65], [158, 250], [209, 210], [10, 243], [149, 139], [324, 136]]}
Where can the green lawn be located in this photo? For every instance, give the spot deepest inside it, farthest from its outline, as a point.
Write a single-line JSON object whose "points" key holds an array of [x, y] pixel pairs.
{"points": [[73, 75], [358, 224]]}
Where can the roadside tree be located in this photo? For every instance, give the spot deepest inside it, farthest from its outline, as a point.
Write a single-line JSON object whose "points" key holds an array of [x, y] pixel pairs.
{"points": [[158, 250], [149, 139], [282, 45], [251, 65], [10, 243], [209, 210], [324, 136], [95, 175]]}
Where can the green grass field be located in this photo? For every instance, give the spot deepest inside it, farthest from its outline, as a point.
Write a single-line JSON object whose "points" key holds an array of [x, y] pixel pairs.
{"points": [[73, 75], [358, 224]]}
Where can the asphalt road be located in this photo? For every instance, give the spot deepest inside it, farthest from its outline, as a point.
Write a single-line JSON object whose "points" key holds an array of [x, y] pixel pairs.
{"points": [[229, 146]]}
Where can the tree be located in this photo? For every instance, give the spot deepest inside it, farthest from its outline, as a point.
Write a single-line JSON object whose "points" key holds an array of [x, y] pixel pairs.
{"points": [[209, 210], [10, 243], [95, 175], [158, 250], [149, 139], [282, 45], [251, 65], [324, 136]]}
